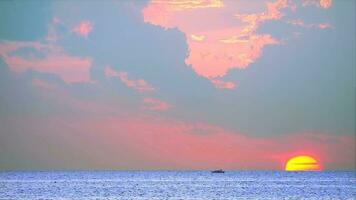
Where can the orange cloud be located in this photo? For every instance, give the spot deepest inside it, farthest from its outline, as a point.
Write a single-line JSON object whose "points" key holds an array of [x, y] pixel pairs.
{"points": [[83, 29], [139, 84], [71, 69], [325, 3], [155, 104]]}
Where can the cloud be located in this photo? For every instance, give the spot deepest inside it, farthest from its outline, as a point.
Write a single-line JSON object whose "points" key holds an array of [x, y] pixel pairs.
{"points": [[198, 38], [145, 139], [273, 12], [216, 49], [109, 72], [223, 84], [301, 23], [52, 32], [325, 3], [167, 143], [38, 83], [160, 12], [324, 26], [178, 5], [83, 29], [320, 3], [53, 60], [70, 101], [204, 146], [140, 84], [161, 143], [297, 22], [155, 104]]}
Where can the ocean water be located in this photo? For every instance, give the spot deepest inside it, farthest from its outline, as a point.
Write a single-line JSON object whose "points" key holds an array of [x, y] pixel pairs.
{"points": [[100, 185]]}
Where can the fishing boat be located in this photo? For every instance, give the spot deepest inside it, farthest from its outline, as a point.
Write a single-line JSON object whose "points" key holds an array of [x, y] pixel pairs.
{"points": [[218, 171]]}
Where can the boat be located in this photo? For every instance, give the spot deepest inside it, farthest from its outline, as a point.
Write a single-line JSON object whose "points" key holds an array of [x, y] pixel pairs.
{"points": [[218, 171]]}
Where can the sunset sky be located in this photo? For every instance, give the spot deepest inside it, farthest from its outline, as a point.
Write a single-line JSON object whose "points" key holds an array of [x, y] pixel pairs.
{"points": [[181, 84]]}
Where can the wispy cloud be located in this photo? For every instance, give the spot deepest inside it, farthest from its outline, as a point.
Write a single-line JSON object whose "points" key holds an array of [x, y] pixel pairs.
{"points": [[321, 3], [324, 26], [55, 61], [198, 38], [325, 3], [83, 29], [155, 104], [187, 145], [301, 23], [39, 83], [139, 84], [223, 84]]}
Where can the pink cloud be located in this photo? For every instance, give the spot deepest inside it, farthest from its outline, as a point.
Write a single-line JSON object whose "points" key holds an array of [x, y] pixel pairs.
{"points": [[212, 59], [154, 142], [83, 29], [166, 143], [320, 3], [109, 72], [140, 84], [301, 23], [202, 146], [223, 84], [215, 49], [7, 47], [324, 26], [155, 104], [325, 3], [162, 13], [171, 144], [38, 83], [58, 95], [71, 69], [273, 12]]}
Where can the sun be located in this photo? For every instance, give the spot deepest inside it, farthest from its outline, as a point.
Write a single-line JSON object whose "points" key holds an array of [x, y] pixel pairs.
{"points": [[302, 163]]}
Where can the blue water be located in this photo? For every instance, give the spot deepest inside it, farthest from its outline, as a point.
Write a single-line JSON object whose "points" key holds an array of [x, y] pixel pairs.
{"points": [[99, 185]]}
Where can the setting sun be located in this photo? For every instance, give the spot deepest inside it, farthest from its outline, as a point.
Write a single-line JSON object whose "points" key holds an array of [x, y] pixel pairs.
{"points": [[302, 163]]}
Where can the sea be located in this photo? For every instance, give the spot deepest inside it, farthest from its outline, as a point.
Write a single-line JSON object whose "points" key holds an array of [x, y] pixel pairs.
{"points": [[173, 185]]}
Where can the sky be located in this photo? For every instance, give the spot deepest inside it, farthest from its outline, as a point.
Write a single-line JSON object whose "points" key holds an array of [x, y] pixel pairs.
{"points": [[198, 84]]}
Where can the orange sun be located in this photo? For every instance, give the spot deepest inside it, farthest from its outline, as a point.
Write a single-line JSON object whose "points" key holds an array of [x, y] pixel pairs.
{"points": [[302, 163]]}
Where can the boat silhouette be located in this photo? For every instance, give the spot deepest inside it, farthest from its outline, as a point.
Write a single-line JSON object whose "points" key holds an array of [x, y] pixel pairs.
{"points": [[218, 171]]}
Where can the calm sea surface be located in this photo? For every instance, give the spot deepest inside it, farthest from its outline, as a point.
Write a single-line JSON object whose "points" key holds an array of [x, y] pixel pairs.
{"points": [[177, 185]]}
